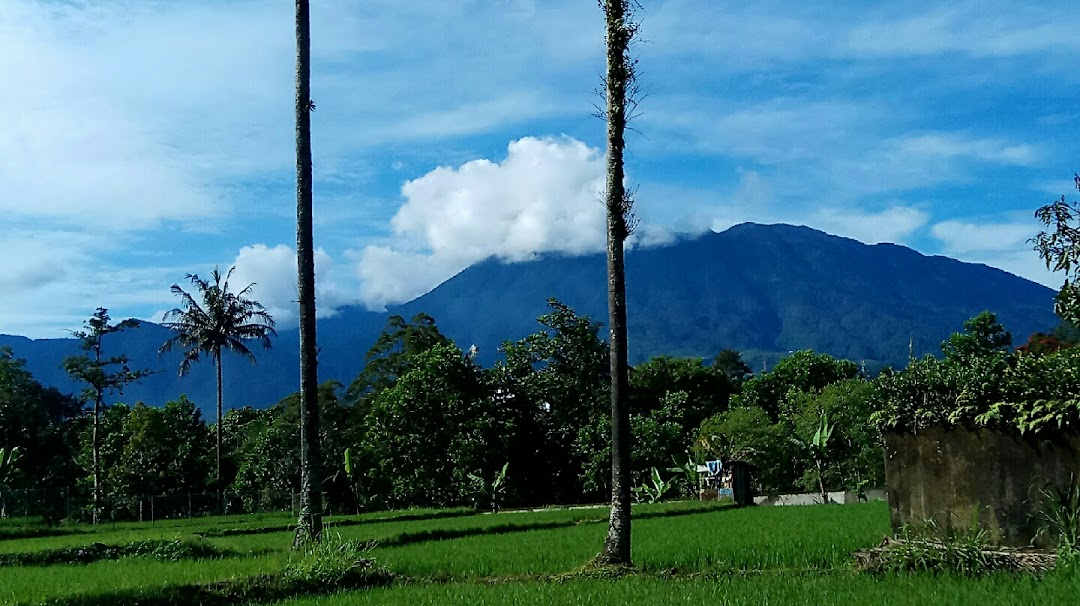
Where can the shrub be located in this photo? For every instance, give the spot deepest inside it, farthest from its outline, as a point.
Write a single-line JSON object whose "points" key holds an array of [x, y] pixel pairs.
{"points": [[1013, 392], [332, 562]]}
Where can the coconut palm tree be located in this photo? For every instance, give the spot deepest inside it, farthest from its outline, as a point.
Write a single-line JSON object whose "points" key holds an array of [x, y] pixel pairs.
{"points": [[218, 320], [620, 88], [309, 525]]}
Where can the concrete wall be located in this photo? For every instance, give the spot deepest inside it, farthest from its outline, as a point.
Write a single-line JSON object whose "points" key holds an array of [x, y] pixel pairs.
{"points": [[955, 476], [838, 497]]}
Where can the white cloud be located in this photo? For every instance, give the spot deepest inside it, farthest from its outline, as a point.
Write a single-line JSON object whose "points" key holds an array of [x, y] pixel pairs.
{"points": [[140, 134], [647, 235], [968, 237], [1021, 261], [999, 244], [845, 147], [754, 199], [1055, 189], [53, 280], [544, 196], [273, 271], [944, 145], [392, 276], [84, 163], [772, 132], [747, 34], [895, 224], [976, 29]]}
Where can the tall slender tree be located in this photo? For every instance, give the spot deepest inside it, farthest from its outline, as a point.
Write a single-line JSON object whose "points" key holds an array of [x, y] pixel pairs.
{"points": [[223, 321], [309, 526], [620, 88], [102, 376]]}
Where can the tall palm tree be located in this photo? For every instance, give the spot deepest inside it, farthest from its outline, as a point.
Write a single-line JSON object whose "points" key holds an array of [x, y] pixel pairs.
{"points": [[217, 321], [309, 526], [619, 85]]}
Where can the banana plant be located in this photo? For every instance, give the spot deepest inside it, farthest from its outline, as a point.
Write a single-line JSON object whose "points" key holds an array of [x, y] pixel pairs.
{"points": [[819, 443], [655, 491], [497, 486], [689, 472], [352, 479], [8, 458], [818, 446]]}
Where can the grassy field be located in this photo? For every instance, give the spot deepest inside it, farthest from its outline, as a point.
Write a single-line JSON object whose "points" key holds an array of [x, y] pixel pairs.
{"points": [[684, 552]]}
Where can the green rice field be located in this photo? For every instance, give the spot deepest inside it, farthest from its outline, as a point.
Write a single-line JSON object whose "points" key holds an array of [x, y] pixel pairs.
{"points": [[685, 553]]}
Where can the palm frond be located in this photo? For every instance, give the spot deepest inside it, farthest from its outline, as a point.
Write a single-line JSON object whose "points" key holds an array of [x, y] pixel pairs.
{"points": [[221, 320], [236, 345]]}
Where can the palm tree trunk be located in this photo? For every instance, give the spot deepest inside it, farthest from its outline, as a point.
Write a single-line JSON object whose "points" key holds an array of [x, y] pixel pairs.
{"points": [[217, 437], [617, 544], [96, 461], [309, 526]]}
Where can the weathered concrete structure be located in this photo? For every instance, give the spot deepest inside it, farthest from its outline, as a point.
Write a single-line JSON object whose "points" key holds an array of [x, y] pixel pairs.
{"points": [[955, 476]]}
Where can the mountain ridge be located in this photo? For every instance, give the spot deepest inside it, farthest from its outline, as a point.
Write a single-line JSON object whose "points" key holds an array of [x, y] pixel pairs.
{"points": [[762, 289]]}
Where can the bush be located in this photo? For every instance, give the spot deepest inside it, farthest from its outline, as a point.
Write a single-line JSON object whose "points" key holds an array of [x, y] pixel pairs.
{"points": [[967, 553], [332, 562], [170, 551], [1017, 392]]}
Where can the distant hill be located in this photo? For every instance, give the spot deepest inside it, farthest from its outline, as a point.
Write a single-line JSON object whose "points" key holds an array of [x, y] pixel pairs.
{"points": [[762, 289]]}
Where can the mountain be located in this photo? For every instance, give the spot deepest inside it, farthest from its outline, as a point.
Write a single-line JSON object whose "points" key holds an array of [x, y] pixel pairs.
{"points": [[762, 289]]}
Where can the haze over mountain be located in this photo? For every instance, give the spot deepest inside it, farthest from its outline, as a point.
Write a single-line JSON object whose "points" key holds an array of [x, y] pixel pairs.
{"points": [[762, 289]]}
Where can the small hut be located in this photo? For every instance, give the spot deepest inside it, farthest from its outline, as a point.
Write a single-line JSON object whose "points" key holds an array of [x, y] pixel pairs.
{"points": [[720, 479]]}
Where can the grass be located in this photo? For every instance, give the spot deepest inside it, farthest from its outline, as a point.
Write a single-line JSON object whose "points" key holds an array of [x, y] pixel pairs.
{"points": [[272, 530], [685, 553], [725, 540], [30, 585], [401, 529], [767, 590], [767, 538]]}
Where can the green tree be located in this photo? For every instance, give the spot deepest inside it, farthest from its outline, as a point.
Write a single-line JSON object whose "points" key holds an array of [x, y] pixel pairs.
{"points": [[747, 434], [437, 424], [102, 376], [236, 425], [772, 425], [165, 451], [392, 353], [268, 462], [801, 371], [730, 363], [108, 446], [219, 320], [309, 525], [556, 383], [983, 336], [706, 389], [853, 456], [619, 86], [669, 399], [40, 421], [1060, 249], [662, 435]]}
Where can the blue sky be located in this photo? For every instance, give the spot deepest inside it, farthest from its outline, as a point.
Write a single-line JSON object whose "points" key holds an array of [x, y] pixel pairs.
{"points": [[150, 139]]}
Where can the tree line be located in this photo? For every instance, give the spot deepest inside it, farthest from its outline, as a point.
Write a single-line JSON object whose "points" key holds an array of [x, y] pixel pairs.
{"points": [[425, 425]]}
